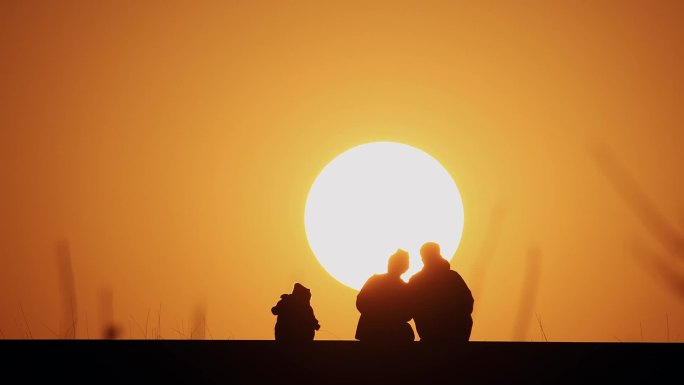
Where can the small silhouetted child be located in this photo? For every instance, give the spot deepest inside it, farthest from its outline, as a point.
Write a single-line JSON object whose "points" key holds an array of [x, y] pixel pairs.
{"points": [[296, 321]]}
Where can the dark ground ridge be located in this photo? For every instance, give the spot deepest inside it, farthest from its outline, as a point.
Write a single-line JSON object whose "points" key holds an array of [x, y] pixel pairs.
{"points": [[349, 362]]}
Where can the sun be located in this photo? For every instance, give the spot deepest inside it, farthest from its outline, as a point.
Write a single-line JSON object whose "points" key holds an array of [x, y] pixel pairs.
{"points": [[375, 198]]}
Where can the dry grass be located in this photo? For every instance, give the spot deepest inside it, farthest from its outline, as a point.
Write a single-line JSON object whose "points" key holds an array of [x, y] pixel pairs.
{"points": [[528, 295], [668, 268], [28, 327], [541, 328]]}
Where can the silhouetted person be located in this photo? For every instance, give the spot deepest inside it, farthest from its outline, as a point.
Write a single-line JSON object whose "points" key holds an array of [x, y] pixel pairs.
{"points": [[296, 321], [384, 304], [442, 302]]}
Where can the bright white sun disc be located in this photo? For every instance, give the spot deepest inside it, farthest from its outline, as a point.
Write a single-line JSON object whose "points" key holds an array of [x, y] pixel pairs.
{"points": [[375, 198]]}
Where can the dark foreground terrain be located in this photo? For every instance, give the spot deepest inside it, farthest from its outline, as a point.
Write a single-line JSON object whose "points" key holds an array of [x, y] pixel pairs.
{"points": [[324, 362]]}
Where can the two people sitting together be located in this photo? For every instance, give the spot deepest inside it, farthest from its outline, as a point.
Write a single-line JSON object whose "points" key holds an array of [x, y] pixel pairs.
{"points": [[437, 298]]}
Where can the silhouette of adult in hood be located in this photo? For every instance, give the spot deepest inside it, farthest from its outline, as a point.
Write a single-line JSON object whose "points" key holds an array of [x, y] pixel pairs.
{"points": [[442, 302], [296, 321], [384, 304]]}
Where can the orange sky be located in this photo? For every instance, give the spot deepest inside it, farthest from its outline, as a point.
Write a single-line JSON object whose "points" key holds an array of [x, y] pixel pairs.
{"points": [[173, 144]]}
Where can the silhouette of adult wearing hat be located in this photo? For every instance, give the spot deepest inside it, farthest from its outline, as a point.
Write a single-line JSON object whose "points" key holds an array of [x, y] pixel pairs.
{"points": [[442, 302], [296, 321], [384, 305]]}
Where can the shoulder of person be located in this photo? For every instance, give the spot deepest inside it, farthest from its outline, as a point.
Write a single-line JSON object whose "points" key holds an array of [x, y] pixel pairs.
{"points": [[285, 298], [455, 277], [374, 278], [416, 277]]}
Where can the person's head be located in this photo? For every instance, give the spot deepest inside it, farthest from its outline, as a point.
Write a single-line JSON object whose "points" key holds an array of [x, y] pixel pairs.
{"points": [[398, 263], [430, 254], [301, 292]]}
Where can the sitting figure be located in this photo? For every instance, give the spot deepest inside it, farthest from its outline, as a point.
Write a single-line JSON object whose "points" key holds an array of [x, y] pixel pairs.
{"points": [[384, 304], [296, 321], [442, 302]]}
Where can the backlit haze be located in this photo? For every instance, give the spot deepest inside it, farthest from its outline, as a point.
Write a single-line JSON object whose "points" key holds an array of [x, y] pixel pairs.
{"points": [[173, 145]]}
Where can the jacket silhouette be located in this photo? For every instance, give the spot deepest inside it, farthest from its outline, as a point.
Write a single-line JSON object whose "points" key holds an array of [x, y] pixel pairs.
{"points": [[384, 304], [296, 321], [442, 302]]}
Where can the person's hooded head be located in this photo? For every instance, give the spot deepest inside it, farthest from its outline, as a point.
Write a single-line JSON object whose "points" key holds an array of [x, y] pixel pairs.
{"points": [[432, 256], [301, 293], [398, 263]]}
